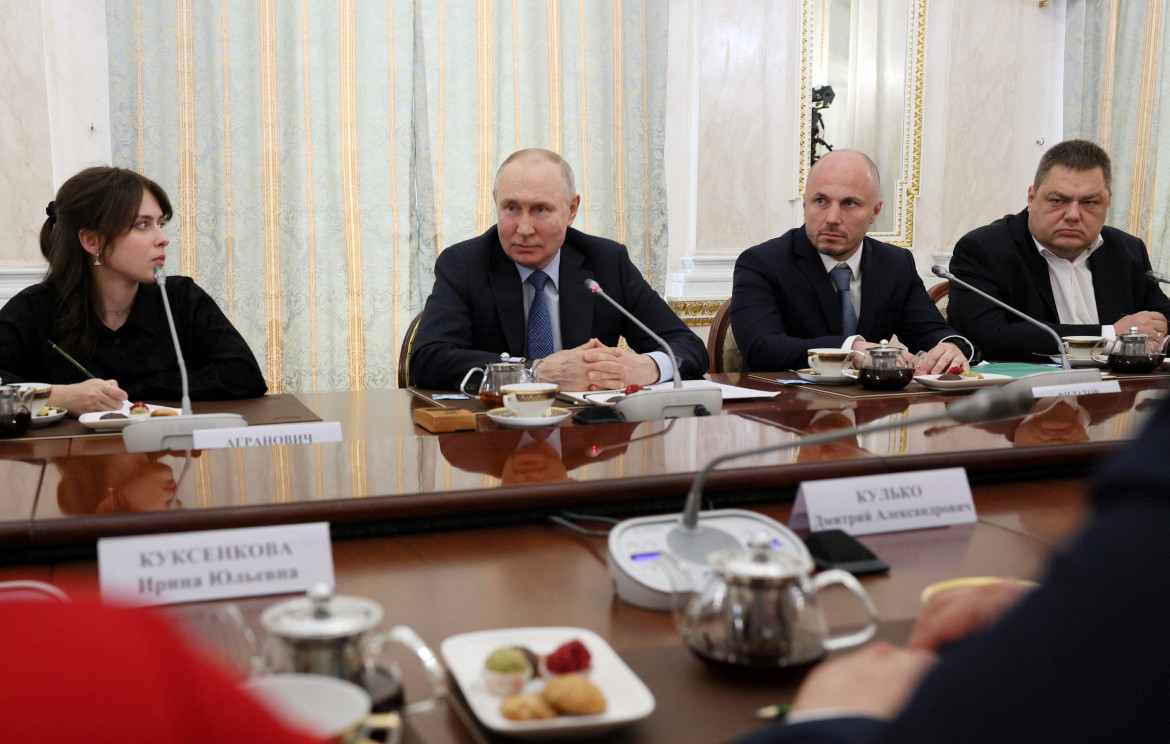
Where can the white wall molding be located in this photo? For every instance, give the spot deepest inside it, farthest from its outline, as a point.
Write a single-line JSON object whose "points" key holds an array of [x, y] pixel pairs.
{"points": [[12, 280], [703, 277]]}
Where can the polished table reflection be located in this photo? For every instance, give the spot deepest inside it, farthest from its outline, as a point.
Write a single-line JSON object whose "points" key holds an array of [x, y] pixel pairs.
{"points": [[390, 476], [472, 549]]}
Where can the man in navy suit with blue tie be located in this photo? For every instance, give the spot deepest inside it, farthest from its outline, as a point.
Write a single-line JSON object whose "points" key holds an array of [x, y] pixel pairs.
{"points": [[827, 285], [520, 288]]}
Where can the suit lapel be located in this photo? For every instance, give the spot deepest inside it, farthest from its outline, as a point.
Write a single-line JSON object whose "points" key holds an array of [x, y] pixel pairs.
{"points": [[810, 264], [504, 280], [874, 277], [1106, 268], [576, 301], [1037, 266]]}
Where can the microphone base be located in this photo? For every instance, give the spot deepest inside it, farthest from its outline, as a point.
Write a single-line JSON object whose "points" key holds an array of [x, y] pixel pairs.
{"points": [[639, 547], [174, 432], [664, 403]]}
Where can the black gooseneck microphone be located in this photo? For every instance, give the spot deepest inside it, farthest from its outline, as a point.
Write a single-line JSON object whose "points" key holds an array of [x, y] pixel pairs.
{"points": [[942, 273], [985, 405], [1157, 276], [174, 432], [676, 402], [692, 536]]}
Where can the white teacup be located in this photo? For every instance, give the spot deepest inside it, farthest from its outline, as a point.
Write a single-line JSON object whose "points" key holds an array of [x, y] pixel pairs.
{"points": [[529, 399], [325, 707], [1080, 347], [828, 362], [40, 398]]}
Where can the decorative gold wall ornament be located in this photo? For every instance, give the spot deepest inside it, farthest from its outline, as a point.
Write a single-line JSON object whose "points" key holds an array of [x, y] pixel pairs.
{"points": [[696, 312]]}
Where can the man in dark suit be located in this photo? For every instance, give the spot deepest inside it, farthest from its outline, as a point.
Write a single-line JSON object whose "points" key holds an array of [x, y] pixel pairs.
{"points": [[1058, 263], [798, 291], [1083, 658], [520, 288]]}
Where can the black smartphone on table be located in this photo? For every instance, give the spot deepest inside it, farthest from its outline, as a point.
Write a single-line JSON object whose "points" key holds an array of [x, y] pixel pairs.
{"points": [[838, 549]]}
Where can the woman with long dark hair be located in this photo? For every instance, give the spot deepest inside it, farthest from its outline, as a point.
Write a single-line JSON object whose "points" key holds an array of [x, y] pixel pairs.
{"points": [[99, 303]]}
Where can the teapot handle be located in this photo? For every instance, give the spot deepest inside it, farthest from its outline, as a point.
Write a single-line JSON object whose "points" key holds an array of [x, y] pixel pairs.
{"points": [[436, 673], [837, 576], [852, 367], [535, 370], [466, 377], [1105, 345]]}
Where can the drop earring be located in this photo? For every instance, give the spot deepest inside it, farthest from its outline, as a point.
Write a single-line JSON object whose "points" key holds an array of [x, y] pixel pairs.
{"points": [[97, 259]]}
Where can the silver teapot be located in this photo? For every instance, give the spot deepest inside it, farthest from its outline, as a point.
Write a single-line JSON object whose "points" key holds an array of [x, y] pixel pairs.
{"points": [[759, 608], [335, 635]]}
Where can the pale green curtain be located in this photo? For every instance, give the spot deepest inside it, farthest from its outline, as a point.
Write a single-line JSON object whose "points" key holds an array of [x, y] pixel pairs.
{"points": [[1117, 69], [320, 154]]}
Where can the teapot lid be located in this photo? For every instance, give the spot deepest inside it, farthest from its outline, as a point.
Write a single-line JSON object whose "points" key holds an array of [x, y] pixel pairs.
{"points": [[884, 349], [506, 361], [321, 615], [758, 562], [1133, 335]]}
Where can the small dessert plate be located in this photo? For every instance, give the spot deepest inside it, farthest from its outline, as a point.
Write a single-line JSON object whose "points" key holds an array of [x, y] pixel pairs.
{"points": [[53, 416], [627, 698], [967, 383], [97, 423], [811, 375], [504, 417]]}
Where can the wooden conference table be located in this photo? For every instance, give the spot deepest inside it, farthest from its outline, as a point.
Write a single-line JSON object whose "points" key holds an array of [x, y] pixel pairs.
{"points": [[469, 550]]}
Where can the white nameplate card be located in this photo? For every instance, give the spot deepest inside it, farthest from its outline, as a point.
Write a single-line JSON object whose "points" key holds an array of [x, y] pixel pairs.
{"points": [[1076, 388], [215, 564], [314, 432], [871, 504]]}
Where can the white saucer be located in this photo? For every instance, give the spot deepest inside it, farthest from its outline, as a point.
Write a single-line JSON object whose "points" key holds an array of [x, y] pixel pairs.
{"points": [[504, 417], [811, 375], [1078, 363], [56, 415]]}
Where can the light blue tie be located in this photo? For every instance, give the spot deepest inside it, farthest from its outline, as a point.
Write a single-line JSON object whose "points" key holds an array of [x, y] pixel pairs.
{"points": [[540, 335], [841, 275]]}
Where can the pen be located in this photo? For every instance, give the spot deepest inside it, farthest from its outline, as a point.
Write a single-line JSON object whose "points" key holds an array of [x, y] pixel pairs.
{"points": [[70, 359]]}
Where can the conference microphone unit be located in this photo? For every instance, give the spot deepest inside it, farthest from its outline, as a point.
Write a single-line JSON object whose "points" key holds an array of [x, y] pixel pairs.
{"points": [[1158, 277], [674, 402], [635, 545], [174, 432], [1067, 375]]}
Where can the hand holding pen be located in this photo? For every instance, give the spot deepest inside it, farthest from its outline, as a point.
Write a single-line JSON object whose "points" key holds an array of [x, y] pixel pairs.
{"points": [[95, 394]]}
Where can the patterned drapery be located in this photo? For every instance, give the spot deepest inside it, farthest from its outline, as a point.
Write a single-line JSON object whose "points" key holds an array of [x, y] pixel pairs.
{"points": [[1115, 95], [320, 154]]}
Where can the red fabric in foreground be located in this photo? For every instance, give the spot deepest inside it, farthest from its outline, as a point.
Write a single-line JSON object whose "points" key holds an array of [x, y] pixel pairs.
{"points": [[83, 671]]}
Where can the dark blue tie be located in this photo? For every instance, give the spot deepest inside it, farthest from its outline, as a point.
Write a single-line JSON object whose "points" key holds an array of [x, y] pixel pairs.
{"points": [[540, 336], [841, 276]]}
